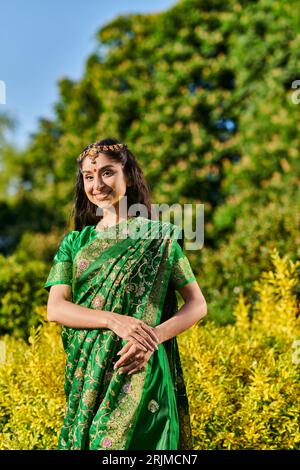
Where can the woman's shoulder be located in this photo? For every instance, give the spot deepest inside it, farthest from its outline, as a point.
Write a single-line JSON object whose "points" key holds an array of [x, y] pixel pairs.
{"points": [[68, 238], [73, 240], [71, 235], [79, 237]]}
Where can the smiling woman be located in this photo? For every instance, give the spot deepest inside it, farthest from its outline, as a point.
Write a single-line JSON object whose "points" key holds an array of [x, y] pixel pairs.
{"points": [[113, 291]]}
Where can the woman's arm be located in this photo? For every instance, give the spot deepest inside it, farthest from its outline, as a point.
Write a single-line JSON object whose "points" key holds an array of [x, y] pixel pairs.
{"points": [[61, 310], [193, 310]]}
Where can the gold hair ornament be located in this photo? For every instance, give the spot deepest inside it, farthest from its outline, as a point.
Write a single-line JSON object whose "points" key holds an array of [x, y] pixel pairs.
{"points": [[93, 150]]}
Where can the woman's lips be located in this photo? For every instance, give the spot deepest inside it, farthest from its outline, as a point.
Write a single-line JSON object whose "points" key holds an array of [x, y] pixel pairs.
{"points": [[101, 196]]}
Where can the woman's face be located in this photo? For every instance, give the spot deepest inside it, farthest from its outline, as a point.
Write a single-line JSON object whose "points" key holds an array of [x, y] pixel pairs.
{"points": [[104, 181]]}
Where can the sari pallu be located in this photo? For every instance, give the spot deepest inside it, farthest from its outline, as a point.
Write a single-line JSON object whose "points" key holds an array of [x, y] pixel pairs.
{"points": [[105, 409]]}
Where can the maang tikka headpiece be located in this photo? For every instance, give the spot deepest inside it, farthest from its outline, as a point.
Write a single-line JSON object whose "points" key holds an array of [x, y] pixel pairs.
{"points": [[94, 149]]}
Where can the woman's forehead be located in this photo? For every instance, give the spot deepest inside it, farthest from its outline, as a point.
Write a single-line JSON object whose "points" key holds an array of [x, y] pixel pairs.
{"points": [[98, 162]]}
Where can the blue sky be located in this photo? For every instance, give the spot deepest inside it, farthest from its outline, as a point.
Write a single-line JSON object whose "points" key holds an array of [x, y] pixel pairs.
{"points": [[42, 41]]}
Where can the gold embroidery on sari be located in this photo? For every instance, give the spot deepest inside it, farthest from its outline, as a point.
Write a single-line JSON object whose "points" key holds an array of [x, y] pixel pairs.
{"points": [[60, 272], [116, 429], [80, 267], [153, 406], [98, 302], [182, 272]]}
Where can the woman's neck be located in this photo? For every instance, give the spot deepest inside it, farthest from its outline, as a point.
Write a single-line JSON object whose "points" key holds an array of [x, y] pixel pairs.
{"points": [[111, 218]]}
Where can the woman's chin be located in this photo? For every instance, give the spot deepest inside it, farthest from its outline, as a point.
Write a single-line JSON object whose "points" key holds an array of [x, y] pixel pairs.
{"points": [[103, 204]]}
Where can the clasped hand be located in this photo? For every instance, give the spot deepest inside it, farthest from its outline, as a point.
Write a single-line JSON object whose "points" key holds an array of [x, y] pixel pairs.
{"points": [[133, 358]]}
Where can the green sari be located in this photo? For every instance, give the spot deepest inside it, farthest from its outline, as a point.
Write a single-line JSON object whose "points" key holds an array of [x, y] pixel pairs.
{"points": [[131, 268]]}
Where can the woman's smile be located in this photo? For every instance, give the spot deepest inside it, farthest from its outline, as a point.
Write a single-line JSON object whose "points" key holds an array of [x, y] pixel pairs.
{"points": [[100, 197]]}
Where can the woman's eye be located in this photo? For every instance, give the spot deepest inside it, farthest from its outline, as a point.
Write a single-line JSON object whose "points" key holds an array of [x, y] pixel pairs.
{"points": [[108, 173]]}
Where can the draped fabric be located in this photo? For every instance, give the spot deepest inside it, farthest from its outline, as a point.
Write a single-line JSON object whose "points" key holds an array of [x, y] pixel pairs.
{"points": [[131, 268]]}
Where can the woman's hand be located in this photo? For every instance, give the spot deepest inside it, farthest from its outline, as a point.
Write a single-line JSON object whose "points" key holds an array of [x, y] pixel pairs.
{"points": [[133, 329], [133, 358]]}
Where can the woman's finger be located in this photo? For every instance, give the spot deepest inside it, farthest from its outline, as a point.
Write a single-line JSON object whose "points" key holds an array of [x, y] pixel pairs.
{"points": [[138, 367], [125, 348], [140, 364], [150, 342], [131, 345], [134, 370], [125, 358], [133, 366], [149, 330], [150, 335], [141, 340]]}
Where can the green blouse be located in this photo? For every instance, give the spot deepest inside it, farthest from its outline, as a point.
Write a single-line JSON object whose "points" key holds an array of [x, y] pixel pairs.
{"points": [[61, 271]]}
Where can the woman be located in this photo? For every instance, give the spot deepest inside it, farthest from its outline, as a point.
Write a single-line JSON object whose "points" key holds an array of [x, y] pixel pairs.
{"points": [[113, 282]]}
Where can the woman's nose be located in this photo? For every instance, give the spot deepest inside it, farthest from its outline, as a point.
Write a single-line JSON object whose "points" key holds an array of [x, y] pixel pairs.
{"points": [[98, 182]]}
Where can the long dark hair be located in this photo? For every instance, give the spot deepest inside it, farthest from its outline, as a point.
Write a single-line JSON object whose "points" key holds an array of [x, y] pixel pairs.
{"points": [[84, 211]]}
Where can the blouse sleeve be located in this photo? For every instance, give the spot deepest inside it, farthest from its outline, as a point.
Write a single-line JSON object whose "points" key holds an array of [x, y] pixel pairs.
{"points": [[181, 271], [62, 265]]}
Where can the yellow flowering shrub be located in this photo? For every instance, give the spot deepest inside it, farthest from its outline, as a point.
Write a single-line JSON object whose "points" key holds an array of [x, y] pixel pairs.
{"points": [[242, 379], [31, 388]]}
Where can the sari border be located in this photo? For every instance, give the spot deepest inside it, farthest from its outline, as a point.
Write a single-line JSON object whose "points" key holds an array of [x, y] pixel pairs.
{"points": [[174, 237]]}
